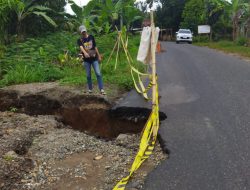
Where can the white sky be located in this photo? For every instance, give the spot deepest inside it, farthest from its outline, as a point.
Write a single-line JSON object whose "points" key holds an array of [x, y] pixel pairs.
{"points": [[78, 2], [81, 3]]}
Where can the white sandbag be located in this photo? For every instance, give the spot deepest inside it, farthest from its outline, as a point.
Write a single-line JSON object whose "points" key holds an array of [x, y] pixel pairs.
{"points": [[144, 54], [144, 44]]}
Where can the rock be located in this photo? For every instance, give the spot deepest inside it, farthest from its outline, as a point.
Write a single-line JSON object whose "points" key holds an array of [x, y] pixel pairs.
{"points": [[122, 137], [11, 155], [51, 138], [135, 184], [107, 167], [24, 181], [98, 157], [10, 114]]}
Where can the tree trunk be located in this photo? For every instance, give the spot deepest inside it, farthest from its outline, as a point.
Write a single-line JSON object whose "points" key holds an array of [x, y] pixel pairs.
{"points": [[18, 28], [20, 36], [234, 29]]}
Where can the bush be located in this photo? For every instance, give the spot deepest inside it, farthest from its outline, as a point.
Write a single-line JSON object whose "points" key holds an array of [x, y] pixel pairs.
{"points": [[242, 41], [2, 51], [36, 60], [201, 38], [27, 73], [228, 46]]}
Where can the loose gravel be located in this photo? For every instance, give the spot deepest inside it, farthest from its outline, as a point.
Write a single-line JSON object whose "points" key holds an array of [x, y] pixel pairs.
{"points": [[39, 152]]}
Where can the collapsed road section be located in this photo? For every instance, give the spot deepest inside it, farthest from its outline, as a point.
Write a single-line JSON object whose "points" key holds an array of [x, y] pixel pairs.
{"points": [[93, 114], [40, 150]]}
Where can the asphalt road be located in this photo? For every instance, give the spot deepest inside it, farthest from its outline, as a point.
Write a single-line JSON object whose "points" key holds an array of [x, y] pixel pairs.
{"points": [[206, 96]]}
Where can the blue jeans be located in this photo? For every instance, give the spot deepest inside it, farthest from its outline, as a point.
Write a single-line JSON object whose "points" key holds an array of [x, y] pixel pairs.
{"points": [[95, 66]]}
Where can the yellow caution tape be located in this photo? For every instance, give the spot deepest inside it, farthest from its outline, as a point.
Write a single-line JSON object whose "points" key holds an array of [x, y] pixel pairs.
{"points": [[151, 127], [147, 143], [142, 91], [143, 88], [138, 72]]}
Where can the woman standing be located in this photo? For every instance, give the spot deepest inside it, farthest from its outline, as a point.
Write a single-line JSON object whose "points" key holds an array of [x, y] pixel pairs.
{"points": [[91, 57]]}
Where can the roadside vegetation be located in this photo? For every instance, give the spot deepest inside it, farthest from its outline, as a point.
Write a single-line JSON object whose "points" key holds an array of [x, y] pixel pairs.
{"points": [[240, 47], [229, 21], [228, 47], [38, 40], [54, 58]]}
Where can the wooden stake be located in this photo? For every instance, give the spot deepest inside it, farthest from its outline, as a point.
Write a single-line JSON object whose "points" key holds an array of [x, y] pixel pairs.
{"points": [[118, 49], [112, 52], [153, 58]]}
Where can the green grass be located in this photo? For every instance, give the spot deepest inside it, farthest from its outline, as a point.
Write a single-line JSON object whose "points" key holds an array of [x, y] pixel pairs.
{"points": [[25, 73], [13, 109], [8, 158], [45, 59], [228, 47]]}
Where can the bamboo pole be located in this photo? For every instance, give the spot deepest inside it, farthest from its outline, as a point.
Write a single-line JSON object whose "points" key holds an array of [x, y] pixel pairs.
{"points": [[112, 52], [153, 58], [118, 49]]}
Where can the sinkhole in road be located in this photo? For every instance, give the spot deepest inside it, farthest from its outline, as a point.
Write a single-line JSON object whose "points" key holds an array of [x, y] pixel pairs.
{"points": [[88, 113], [97, 118]]}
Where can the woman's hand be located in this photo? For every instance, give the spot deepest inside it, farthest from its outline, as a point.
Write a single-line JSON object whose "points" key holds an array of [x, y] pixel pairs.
{"points": [[86, 55], [99, 58]]}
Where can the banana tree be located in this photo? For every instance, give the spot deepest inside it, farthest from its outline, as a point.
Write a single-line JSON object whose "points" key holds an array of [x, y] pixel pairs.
{"points": [[131, 15], [239, 11], [5, 10], [101, 15], [86, 15], [120, 9], [246, 19], [23, 9], [214, 9], [83, 13], [96, 15], [124, 10]]}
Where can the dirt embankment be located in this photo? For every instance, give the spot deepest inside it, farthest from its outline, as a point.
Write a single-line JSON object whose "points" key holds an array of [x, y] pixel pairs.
{"points": [[40, 149]]}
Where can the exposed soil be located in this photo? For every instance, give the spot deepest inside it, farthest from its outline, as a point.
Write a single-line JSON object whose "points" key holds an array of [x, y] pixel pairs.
{"points": [[39, 148]]}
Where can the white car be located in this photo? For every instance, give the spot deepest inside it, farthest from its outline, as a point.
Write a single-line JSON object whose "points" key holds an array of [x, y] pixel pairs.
{"points": [[184, 35]]}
